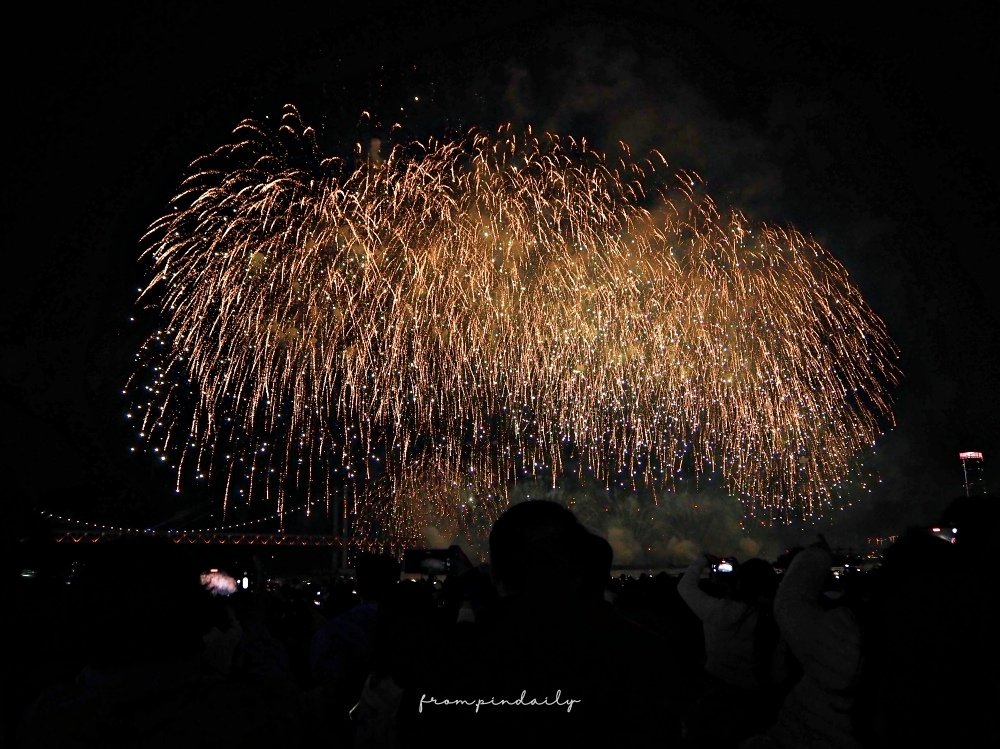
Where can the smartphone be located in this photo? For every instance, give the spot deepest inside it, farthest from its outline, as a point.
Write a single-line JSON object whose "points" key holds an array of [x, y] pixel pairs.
{"points": [[723, 565]]}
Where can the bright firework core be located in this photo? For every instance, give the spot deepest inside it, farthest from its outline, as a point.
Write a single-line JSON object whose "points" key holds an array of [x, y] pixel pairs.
{"points": [[411, 334]]}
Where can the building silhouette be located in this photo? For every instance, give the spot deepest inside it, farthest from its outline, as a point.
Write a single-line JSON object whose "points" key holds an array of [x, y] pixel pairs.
{"points": [[972, 473]]}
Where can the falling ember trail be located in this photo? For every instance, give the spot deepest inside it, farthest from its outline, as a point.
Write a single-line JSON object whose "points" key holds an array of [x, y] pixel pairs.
{"points": [[462, 313]]}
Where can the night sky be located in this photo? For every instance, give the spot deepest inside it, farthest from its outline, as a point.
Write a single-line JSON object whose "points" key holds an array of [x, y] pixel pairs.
{"points": [[870, 132]]}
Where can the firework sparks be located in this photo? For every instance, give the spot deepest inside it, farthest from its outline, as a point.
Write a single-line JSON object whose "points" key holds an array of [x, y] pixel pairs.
{"points": [[498, 305]]}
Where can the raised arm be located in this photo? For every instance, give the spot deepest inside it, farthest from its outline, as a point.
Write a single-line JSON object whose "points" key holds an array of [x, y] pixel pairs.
{"points": [[826, 642], [703, 605]]}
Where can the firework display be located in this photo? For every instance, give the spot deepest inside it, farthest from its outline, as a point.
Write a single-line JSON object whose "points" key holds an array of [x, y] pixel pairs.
{"points": [[462, 313]]}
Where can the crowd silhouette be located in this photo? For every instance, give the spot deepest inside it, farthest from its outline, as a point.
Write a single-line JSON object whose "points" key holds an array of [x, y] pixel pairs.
{"points": [[542, 646]]}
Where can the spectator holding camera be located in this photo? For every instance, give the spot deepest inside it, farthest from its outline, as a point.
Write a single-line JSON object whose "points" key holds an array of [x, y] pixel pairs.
{"points": [[826, 640], [740, 639]]}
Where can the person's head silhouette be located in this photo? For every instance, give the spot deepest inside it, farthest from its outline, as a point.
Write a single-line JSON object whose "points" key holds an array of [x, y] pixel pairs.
{"points": [[377, 574], [539, 549], [756, 579]]}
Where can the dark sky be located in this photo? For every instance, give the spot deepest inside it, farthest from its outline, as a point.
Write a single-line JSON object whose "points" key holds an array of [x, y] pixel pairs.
{"points": [[869, 130]]}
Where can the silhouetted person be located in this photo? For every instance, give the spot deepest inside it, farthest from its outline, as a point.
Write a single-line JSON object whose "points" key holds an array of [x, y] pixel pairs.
{"points": [[930, 675], [340, 656], [556, 665], [406, 623], [740, 638], [826, 641]]}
